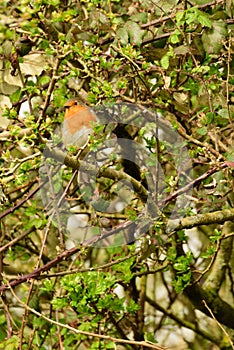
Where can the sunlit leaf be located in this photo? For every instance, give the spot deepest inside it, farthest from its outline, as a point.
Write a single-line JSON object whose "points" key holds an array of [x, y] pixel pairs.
{"points": [[204, 20], [165, 61], [202, 131]]}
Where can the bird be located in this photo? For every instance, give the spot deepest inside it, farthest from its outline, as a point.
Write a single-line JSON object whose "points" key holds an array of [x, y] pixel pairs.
{"points": [[78, 123], [79, 120]]}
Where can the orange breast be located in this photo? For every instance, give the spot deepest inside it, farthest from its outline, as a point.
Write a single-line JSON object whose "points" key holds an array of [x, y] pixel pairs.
{"points": [[78, 117]]}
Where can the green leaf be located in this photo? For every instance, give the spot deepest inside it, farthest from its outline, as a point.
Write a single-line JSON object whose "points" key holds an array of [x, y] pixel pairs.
{"points": [[223, 113], [150, 337], [10, 344], [174, 38], [179, 16], [132, 306], [135, 32], [122, 35], [202, 131], [110, 345], [208, 253], [212, 39], [130, 33], [165, 61], [204, 20], [210, 117], [181, 282], [191, 17], [230, 156], [139, 17], [15, 96], [216, 236]]}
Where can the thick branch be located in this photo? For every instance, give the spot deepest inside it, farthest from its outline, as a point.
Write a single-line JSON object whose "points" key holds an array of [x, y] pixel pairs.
{"points": [[182, 322], [222, 311], [216, 217], [110, 173], [217, 273]]}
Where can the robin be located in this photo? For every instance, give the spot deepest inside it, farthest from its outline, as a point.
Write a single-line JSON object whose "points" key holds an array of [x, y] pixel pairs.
{"points": [[77, 128], [78, 122]]}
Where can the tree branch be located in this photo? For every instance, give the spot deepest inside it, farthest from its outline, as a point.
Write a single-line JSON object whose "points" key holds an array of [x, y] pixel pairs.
{"points": [[183, 322], [192, 221], [218, 270], [166, 18], [222, 311], [216, 217]]}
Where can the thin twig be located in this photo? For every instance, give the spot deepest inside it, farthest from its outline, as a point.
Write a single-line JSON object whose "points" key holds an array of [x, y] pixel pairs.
{"points": [[219, 324], [17, 239], [21, 202], [53, 80], [166, 18], [90, 269], [182, 322]]}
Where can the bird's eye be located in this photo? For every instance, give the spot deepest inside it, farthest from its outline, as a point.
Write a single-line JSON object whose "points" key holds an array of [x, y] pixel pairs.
{"points": [[75, 103]]}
